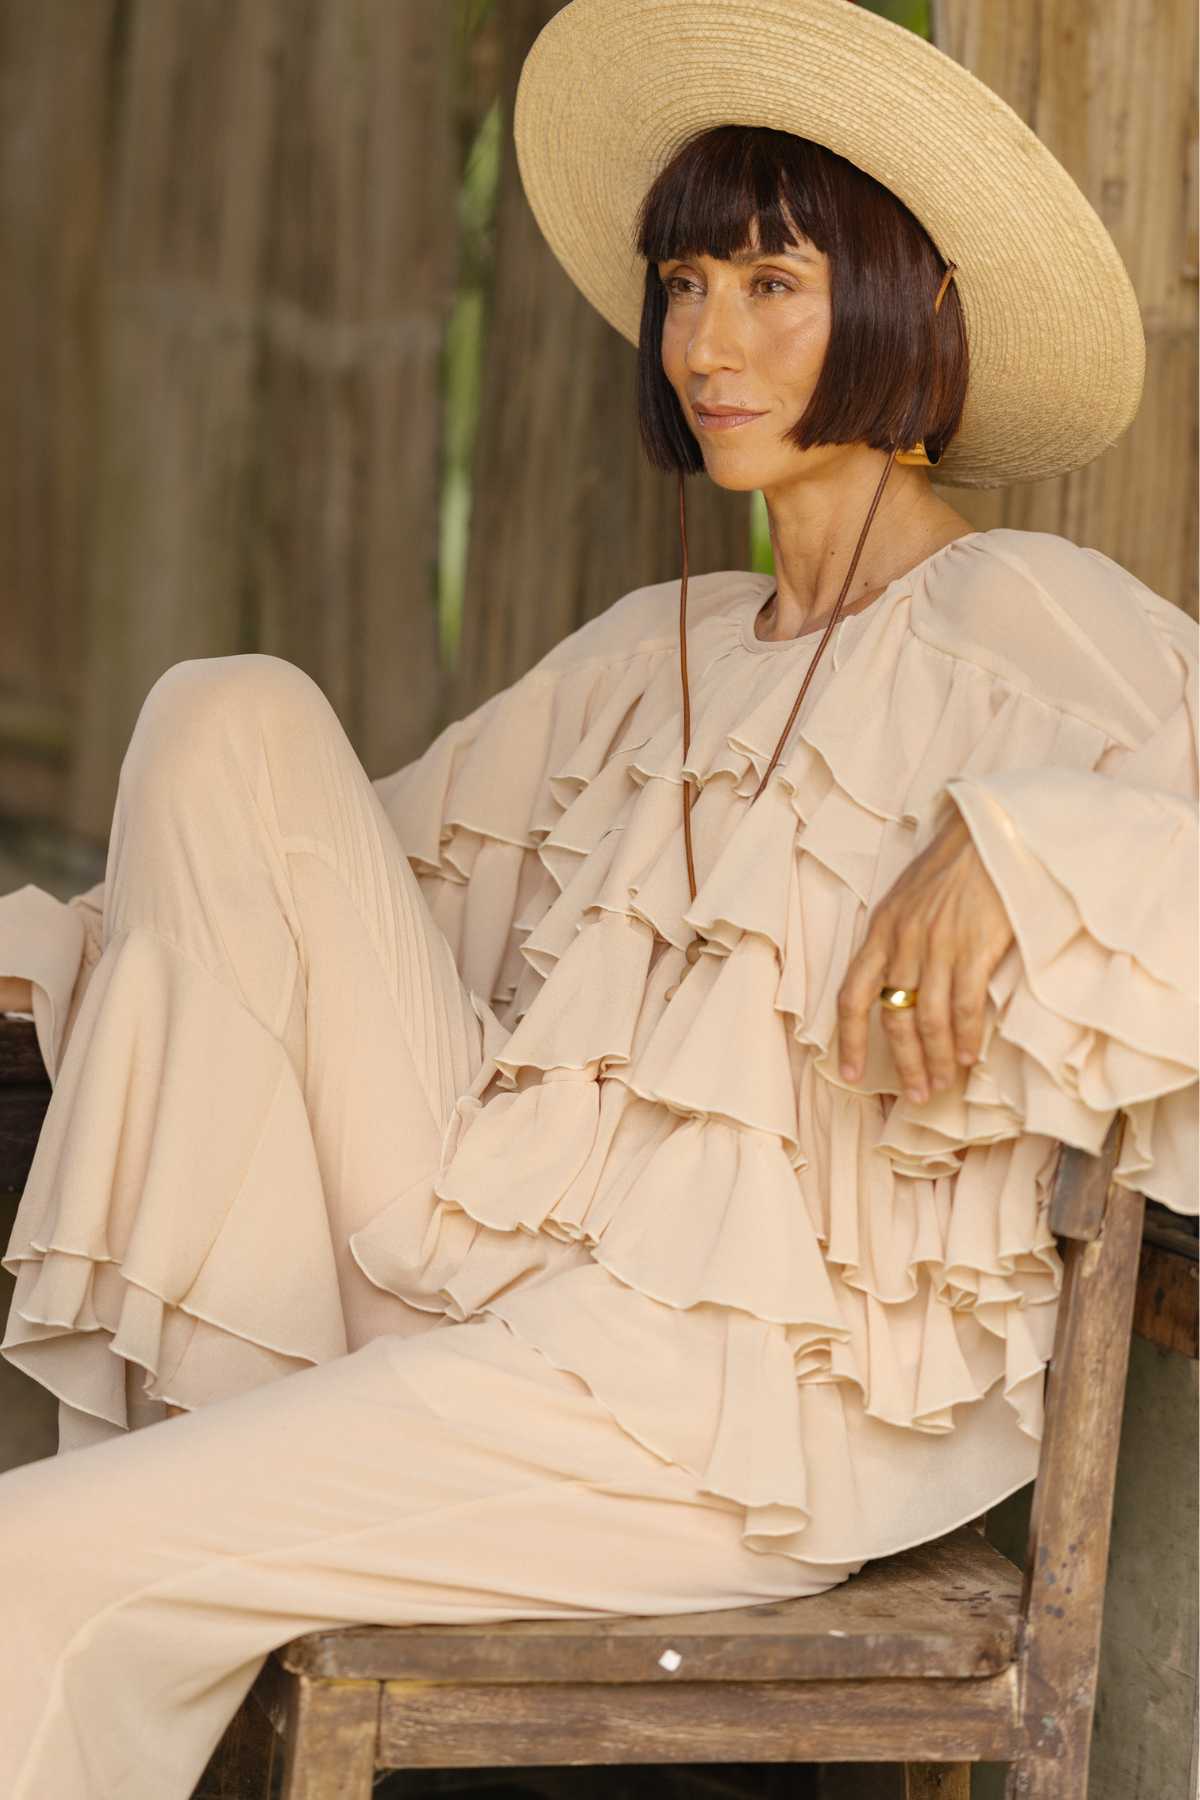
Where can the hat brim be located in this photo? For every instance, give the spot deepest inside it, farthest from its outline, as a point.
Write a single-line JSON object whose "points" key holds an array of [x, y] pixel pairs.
{"points": [[612, 88]]}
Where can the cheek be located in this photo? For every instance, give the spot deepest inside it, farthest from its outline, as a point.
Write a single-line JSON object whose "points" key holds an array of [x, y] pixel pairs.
{"points": [[793, 348], [674, 352]]}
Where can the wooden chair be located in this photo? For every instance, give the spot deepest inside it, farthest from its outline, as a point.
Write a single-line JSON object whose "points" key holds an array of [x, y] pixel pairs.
{"points": [[936, 1658]]}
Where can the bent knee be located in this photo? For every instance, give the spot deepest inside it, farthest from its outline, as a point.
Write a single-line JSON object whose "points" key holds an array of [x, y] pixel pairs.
{"points": [[209, 688], [211, 705]]}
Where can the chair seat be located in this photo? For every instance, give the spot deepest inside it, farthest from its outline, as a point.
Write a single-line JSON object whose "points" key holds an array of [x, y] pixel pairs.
{"points": [[945, 1609]]}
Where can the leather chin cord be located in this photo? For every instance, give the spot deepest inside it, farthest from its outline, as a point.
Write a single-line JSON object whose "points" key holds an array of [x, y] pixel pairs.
{"points": [[690, 793]]}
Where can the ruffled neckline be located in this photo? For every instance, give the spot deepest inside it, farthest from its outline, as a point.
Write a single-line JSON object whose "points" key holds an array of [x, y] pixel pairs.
{"points": [[747, 607]]}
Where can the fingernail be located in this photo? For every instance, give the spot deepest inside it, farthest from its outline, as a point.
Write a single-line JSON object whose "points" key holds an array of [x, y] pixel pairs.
{"points": [[967, 1057], [915, 1093], [848, 1071]]}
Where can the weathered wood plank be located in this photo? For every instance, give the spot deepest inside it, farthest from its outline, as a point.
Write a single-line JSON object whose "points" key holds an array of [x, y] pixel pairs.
{"points": [[1165, 1309], [931, 1781], [1080, 1188], [944, 1609], [1063, 1595], [332, 1731], [430, 1725]]}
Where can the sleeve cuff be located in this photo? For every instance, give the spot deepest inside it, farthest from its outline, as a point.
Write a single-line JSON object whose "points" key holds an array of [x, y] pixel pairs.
{"points": [[42, 941]]}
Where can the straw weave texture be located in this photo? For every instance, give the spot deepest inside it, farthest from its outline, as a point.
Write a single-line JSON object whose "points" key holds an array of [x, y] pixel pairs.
{"points": [[612, 88]]}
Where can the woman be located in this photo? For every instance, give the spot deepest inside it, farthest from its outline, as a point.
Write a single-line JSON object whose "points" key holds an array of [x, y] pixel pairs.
{"points": [[537, 1093]]}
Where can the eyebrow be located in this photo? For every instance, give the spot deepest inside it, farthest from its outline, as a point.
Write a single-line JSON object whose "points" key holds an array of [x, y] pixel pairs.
{"points": [[741, 257], [749, 256]]}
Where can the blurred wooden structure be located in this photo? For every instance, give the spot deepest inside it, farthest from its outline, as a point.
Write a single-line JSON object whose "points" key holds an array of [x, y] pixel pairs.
{"points": [[587, 519], [240, 215], [1111, 91], [236, 226], [231, 233]]}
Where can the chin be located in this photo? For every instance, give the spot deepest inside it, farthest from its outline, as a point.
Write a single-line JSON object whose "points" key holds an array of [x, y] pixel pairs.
{"points": [[737, 478]]}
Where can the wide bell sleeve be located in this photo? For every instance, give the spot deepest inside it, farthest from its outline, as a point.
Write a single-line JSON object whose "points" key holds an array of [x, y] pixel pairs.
{"points": [[55, 945], [1097, 1002], [478, 814]]}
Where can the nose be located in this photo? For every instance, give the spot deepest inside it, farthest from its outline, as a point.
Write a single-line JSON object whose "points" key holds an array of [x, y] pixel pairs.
{"points": [[713, 341]]}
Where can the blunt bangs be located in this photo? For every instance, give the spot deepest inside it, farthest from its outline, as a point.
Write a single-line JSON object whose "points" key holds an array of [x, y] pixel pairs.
{"points": [[894, 371]]}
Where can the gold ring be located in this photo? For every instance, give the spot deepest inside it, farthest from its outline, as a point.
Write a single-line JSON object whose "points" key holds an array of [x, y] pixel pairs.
{"points": [[899, 999]]}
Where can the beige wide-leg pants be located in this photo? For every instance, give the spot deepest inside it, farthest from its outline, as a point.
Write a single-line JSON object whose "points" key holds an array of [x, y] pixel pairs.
{"points": [[426, 1471]]}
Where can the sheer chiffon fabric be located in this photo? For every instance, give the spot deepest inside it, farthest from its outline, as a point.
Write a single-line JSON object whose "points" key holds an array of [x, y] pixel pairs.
{"points": [[337, 1060], [828, 1304], [269, 1042]]}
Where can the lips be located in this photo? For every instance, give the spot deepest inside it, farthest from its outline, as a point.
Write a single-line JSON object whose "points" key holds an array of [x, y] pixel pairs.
{"points": [[723, 418]]}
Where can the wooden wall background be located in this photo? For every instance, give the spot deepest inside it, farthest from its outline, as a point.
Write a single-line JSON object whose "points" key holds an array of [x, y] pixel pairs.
{"points": [[231, 248], [1111, 89], [230, 236]]}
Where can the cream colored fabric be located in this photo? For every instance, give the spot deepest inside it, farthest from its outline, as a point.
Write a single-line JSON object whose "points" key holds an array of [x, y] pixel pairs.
{"points": [[828, 1305], [450, 1479], [268, 1046]]}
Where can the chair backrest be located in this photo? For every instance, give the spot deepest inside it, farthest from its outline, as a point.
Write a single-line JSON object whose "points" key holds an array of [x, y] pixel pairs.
{"points": [[1099, 1227]]}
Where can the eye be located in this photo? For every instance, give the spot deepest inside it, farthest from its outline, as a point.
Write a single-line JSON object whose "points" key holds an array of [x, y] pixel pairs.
{"points": [[679, 284]]}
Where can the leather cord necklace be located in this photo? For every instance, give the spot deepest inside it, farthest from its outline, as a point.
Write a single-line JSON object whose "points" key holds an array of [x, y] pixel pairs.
{"points": [[690, 794], [899, 998]]}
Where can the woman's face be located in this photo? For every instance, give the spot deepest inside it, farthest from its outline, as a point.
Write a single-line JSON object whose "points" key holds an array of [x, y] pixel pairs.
{"points": [[749, 334]]}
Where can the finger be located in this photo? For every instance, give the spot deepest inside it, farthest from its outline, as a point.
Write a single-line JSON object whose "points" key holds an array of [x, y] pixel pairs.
{"points": [[907, 1054], [859, 989], [904, 970], [968, 1001], [934, 1024]]}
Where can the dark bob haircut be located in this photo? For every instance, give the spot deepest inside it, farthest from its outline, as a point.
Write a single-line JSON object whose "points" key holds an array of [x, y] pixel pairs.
{"points": [[895, 372]]}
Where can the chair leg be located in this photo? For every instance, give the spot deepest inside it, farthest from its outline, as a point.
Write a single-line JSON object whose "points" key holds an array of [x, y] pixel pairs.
{"points": [[240, 1766], [1062, 1776], [332, 1733], [937, 1781]]}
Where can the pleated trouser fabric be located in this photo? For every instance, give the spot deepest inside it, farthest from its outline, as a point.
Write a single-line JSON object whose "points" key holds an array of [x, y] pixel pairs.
{"points": [[421, 1471]]}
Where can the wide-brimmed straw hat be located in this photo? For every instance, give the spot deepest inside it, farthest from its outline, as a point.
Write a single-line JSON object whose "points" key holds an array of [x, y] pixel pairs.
{"points": [[612, 88]]}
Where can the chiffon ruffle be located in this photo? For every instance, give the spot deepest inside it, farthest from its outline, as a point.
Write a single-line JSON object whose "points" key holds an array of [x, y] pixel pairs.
{"points": [[671, 1190], [175, 1163], [830, 1304]]}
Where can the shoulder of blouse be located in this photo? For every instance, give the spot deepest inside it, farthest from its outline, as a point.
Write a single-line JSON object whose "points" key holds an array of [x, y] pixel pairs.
{"points": [[646, 620], [1066, 624]]}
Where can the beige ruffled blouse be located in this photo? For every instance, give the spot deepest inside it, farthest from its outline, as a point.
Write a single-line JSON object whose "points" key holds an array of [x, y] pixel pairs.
{"points": [[831, 1304]]}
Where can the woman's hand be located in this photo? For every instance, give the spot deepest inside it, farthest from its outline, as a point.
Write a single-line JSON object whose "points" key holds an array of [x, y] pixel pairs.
{"points": [[16, 994], [941, 928]]}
